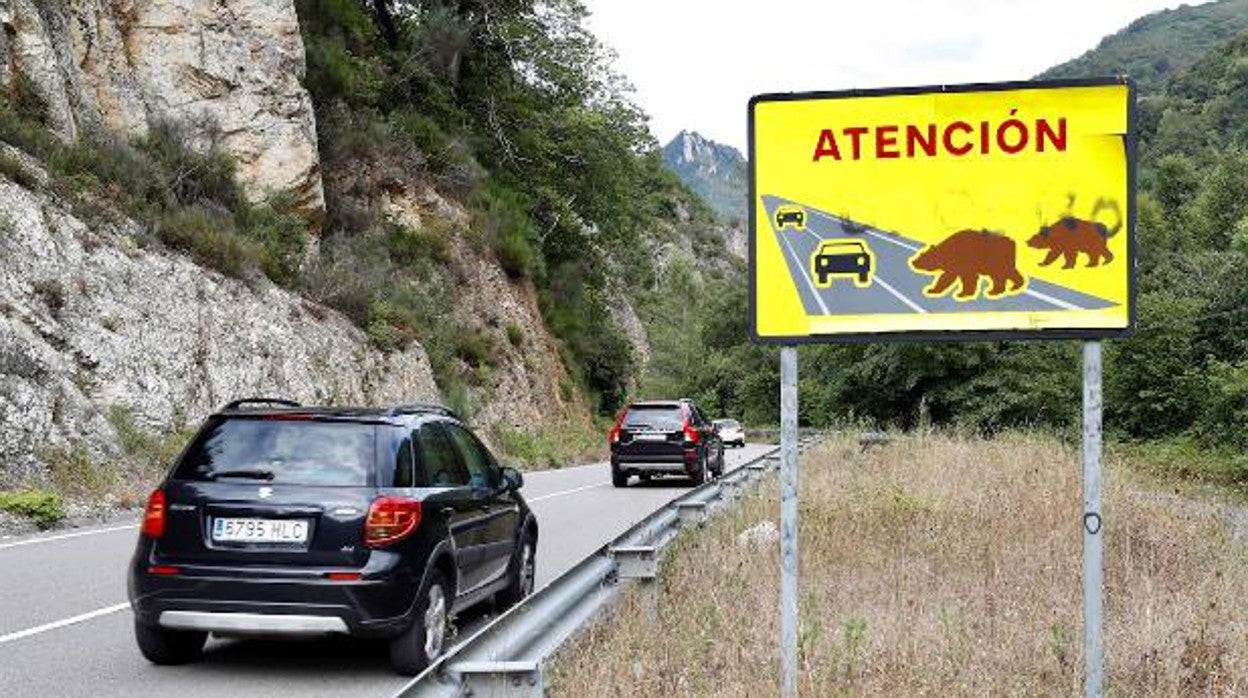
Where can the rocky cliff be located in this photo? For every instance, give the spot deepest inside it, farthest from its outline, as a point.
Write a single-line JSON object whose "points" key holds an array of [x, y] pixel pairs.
{"points": [[90, 322], [715, 171], [230, 71]]}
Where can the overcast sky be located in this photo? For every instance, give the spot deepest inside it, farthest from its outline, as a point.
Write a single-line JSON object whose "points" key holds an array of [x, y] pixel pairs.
{"points": [[695, 63]]}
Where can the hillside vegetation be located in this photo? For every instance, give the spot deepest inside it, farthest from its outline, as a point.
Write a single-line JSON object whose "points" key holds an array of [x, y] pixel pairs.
{"points": [[1155, 46], [512, 110]]}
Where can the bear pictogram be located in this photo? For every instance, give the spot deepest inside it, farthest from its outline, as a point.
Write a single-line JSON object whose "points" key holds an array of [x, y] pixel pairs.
{"points": [[1070, 236], [965, 256]]}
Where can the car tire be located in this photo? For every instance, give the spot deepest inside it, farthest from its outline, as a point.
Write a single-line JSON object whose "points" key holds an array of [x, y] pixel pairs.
{"points": [[618, 478], [166, 647], [521, 574], [719, 469], [863, 277], [425, 639], [702, 474]]}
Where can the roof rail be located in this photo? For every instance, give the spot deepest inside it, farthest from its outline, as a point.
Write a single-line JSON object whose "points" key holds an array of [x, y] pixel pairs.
{"points": [[235, 404], [423, 407]]}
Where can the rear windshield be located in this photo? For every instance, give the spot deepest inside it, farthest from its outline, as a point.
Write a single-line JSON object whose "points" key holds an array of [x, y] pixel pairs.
{"points": [[282, 451], [661, 417]]}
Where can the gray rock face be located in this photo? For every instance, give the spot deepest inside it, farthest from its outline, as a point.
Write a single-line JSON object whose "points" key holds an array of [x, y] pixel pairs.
{"points": [[88, 320], [231, 71]]}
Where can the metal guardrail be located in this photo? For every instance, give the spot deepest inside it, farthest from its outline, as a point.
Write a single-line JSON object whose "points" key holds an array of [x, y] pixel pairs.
{"points": [[505, 658]]}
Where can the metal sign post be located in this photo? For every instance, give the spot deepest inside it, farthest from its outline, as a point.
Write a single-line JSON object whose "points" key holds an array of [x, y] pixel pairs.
{"points": [[788, 521], [1093, 644]]}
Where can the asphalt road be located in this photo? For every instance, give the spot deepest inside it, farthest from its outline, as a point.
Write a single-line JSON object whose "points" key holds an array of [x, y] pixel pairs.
{"points": [[65, 625], [895, 287]]}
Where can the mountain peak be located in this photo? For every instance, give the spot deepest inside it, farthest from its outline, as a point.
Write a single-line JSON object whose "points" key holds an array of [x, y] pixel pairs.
{"points": [[713, 170]]}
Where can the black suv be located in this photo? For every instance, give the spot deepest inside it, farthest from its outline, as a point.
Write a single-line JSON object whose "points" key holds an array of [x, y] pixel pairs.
{"points": [[670, 437], [282, 519]]}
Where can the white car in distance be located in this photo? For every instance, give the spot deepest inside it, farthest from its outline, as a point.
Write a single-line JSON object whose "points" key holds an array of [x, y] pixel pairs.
{"points": [[730, 432]]}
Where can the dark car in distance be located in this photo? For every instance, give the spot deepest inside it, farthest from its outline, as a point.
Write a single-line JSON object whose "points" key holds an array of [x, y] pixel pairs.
{"points": [[669, 437], [282, 519]]}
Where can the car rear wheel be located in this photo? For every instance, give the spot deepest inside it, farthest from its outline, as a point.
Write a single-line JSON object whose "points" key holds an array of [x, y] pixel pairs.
{"points": [[618, 478], [702, 474], [523, 573], [424, 641], [167, 647]]}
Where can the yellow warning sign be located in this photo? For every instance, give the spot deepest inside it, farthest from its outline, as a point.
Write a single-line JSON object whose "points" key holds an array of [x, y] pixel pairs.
{"points": [[1001, 210]]}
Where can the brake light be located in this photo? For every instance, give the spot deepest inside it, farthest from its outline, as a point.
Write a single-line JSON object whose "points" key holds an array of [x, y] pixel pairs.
{"points": [[164, 570], [154, 516], [691, 434], [614, 436], [390, 519], [343, 576]]}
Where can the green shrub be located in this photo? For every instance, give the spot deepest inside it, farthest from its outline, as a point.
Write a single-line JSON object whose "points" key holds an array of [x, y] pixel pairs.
{"points": [[1224, 421], [209, 238], [280, 236], [505, 220], [43, 507], [74, 473], [1187, 458], [15, 171], [475, 347], [410, 246], [515, 334]]}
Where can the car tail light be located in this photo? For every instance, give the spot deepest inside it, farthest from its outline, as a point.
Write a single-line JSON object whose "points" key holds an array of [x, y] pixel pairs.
{"points": [[614, 436], [390, 519], [164, 570], [154, 516], [343, 576], [691, 434]]}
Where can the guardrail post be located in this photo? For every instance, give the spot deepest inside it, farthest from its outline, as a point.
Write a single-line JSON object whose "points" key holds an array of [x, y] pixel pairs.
{"points": [[690, 512], [501, 679], [641, 563], [636, 561]]}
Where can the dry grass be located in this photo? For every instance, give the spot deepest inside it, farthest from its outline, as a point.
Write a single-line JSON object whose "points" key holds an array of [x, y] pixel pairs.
{"points": [[938, 565]]}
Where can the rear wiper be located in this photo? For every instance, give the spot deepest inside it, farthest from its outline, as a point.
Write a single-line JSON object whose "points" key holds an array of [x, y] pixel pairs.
{"points": [[252, 474]]}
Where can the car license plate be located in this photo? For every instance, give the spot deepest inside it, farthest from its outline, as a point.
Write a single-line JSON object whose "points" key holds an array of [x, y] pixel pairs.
{"points": [[259, 530], [652, 437]]}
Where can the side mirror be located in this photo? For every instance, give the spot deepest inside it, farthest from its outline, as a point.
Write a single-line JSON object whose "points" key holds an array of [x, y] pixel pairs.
{"points": [[512, 479]]}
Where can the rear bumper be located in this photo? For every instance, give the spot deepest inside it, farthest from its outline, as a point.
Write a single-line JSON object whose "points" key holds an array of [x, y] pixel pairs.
{"points": [[675, 464], [302, 602], [220, 622]]}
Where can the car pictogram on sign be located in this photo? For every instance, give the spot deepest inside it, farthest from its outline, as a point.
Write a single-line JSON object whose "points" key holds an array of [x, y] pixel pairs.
{"points": [[791, 215], [844, 257]]}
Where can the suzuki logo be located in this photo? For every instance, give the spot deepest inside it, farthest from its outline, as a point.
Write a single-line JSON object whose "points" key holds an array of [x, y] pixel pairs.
{"points": [[266, 492]]}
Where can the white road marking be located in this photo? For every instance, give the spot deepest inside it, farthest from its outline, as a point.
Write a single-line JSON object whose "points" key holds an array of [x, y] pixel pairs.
{"points": [[571, 491], [1050, 299], [63, 622], [66, 536], [913, 306], [788, 243]]}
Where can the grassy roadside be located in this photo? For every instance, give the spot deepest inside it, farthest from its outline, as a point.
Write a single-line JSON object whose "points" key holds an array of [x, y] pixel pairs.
{"points": [[939, 565], [551, 448]]}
